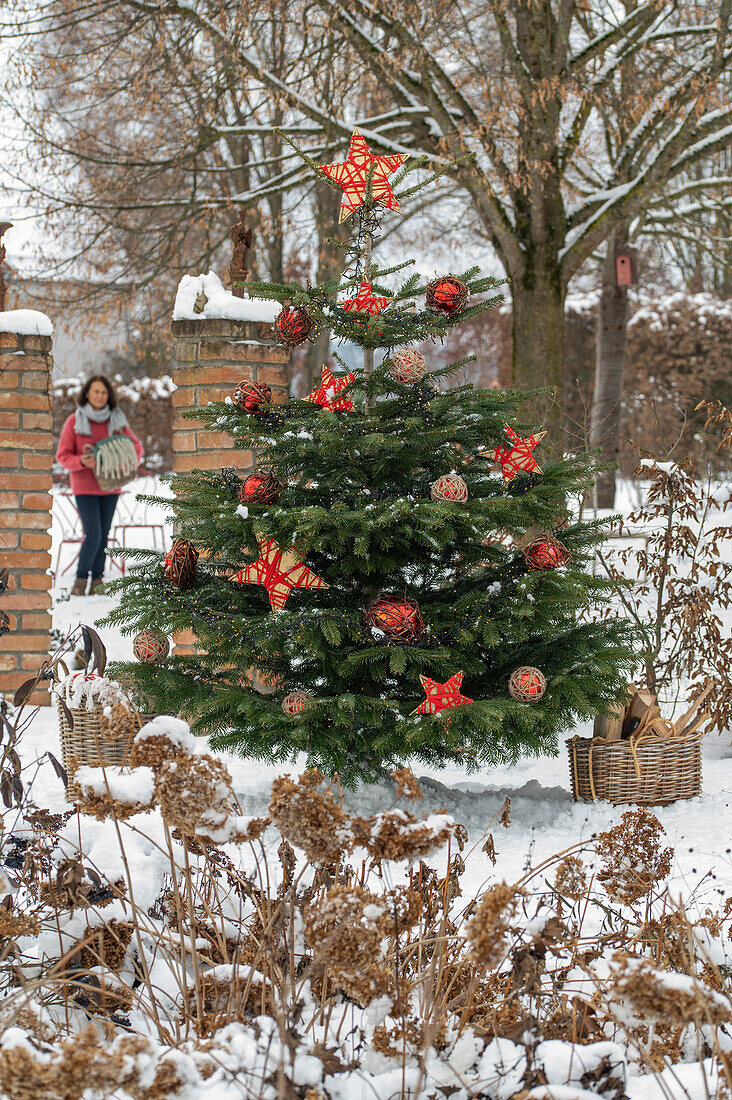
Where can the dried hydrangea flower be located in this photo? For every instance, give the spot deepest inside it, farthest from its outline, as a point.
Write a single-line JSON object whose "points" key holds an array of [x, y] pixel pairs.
{"points": [[570, 879], [345, 930], [196, 795], [666, 995], [310, 818], [406, 784], [633, 861], [397, 835], [489, 928]]}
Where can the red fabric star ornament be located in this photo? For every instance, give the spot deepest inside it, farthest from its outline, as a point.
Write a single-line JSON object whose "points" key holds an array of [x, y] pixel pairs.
{"points": [[366, 301], [518, 455], [279, 571], [351, 175], [326, 394], [440, 697]]}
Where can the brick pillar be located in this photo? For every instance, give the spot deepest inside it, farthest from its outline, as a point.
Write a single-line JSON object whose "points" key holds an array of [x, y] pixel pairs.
{"points": [[211, 356], [26, 453]]}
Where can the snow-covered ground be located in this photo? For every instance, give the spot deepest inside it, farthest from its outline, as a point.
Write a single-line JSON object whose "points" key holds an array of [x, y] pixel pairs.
{"points": [[543, 821]]}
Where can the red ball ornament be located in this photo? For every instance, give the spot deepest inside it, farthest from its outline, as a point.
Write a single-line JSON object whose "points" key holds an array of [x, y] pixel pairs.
{"points": [[260, 489], [449, 487], [293, 326], [150, 646], [397, 617], [527, 684], [250, 396], [296, 702], [180, 563], [447, 295], [546, 552]]}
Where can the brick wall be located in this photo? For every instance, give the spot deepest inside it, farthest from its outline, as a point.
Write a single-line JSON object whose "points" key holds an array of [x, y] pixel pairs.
{"points": [[210, 357], [25, 503]]}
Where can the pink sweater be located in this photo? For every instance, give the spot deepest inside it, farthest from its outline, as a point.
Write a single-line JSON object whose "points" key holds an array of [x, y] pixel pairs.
{"points": [[70, 448]]}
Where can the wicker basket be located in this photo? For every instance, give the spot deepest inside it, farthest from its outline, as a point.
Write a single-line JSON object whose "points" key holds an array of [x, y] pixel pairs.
{"points": [[90, 741], [646, 770]]}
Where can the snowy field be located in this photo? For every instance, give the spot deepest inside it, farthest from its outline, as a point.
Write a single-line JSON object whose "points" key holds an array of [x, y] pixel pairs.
{"points": [[543, 821]]}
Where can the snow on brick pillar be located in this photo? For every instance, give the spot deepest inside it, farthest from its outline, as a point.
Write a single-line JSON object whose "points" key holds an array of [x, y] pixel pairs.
{"points": [[211, 356], [26, 453]]}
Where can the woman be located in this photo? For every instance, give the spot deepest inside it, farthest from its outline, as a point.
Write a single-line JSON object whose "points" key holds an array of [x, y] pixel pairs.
{"points": [[96, 417]]}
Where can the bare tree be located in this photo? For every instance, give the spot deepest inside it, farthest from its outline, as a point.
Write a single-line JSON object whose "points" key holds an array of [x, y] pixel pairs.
{"points": [[520, 86]]}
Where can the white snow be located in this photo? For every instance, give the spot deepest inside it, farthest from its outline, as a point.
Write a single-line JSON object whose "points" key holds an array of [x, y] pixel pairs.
{"points": [[173, 729], [219, 301], [124, 784], [26, 322]]}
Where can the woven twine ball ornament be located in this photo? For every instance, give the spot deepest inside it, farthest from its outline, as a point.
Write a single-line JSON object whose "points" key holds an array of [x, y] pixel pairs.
{"points": [[546, 552], [150, 646], [397, 617], [407, 366], [447, 295], [250, 396], [180, 563], [296, 702], [260, 489], [449, 487], [293, 326], [527, 684]]}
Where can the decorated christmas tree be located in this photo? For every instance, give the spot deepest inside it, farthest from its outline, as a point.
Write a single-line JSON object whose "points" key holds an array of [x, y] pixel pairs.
{"points": [[403, 566]]}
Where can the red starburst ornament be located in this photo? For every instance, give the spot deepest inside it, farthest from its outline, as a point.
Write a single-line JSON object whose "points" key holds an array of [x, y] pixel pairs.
{"points": [[518, 454], [441, 697], [366, 301], [352, 175], [279, 571], [326, 394]]}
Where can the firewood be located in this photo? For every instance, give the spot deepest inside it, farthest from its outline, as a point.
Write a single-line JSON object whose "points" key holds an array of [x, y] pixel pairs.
{"points": [[639, 704], [681, 723], [609, 726]]}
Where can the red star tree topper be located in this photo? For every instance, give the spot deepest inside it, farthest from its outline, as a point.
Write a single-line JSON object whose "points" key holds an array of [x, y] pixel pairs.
{"points": [[441, 697], [279, 571], [366, 301], [518, 454], [326, 394], [351, 175]]}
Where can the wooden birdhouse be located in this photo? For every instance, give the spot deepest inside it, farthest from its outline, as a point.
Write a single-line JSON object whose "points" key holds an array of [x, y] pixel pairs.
{"points": [[626, 266]]}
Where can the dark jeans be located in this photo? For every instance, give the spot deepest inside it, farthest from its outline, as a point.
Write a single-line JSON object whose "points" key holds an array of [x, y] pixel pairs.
{"points": [[96, 517]]}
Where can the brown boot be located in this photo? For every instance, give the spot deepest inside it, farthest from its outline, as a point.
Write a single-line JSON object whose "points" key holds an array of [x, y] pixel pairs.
{"points": [[97, 585], [79, 588]]}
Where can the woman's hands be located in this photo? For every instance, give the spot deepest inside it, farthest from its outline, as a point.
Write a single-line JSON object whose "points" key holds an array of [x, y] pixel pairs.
{"points": [[88, 460]]}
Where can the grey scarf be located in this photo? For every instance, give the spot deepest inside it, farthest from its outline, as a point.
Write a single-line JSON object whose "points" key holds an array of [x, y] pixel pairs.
{"points": [[85, 413]]}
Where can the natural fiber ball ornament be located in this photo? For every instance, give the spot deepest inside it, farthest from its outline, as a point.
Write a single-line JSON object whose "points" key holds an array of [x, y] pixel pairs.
{"points": [[260, 489], [527, 684], [293, 326], [546, 552], [149, 646], [296, 702], [397, 617], [250, 396], [180, 563], [407, 366], [447, 295], [449, 487]]}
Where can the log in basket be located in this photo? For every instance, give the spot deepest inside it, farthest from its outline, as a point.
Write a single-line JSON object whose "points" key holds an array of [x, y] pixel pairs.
{"points": [[636, 756]]}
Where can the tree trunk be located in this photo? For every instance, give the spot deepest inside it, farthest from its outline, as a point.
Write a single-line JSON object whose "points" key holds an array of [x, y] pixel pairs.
{"points": [[610, 344], [331, 261], [538, 350]]}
